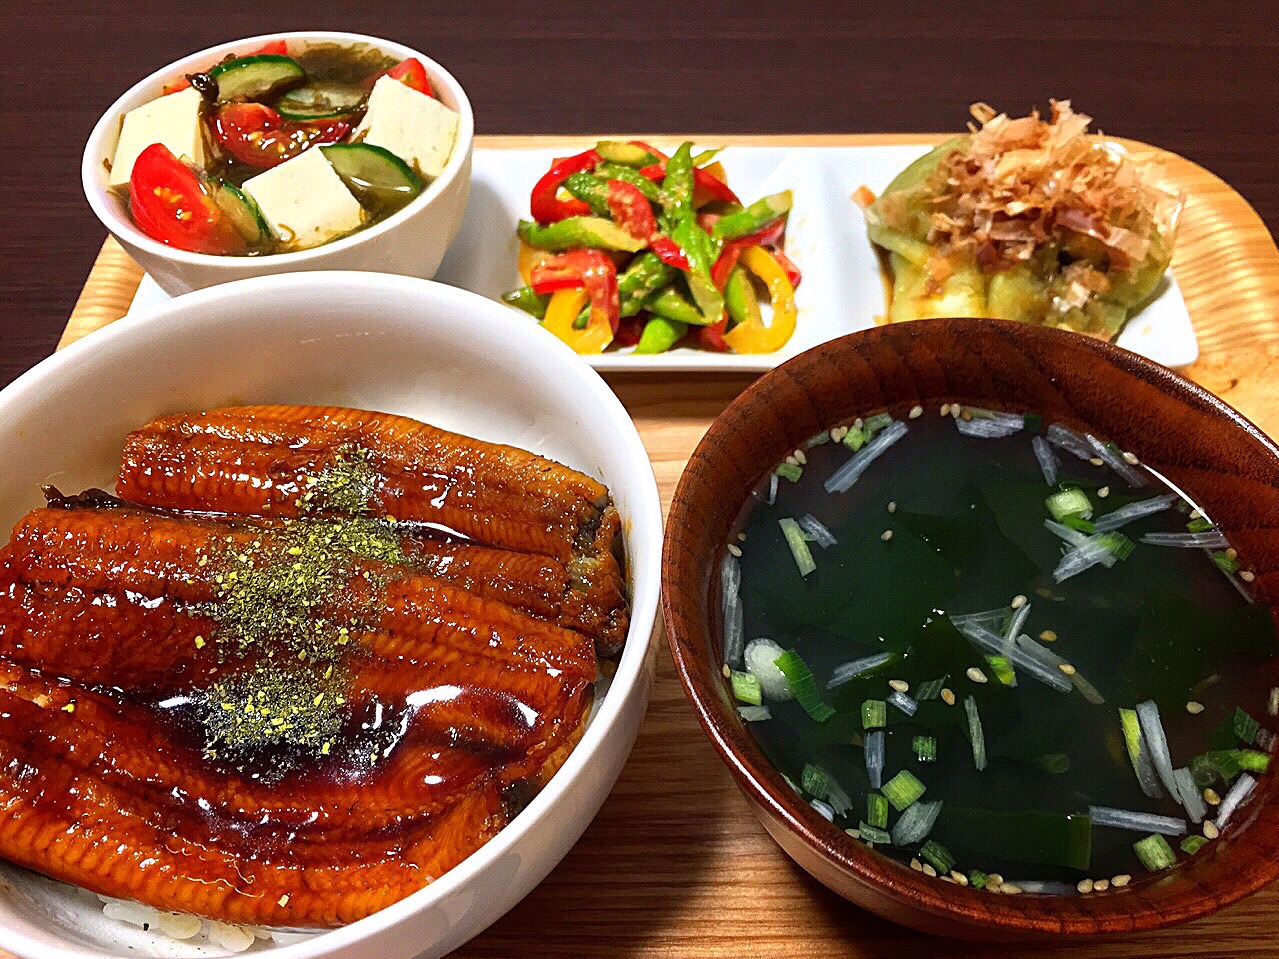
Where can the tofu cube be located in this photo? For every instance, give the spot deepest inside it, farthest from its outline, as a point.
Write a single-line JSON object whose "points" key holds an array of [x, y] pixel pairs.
{"points": [[173, 120], [305, 201], [417, 128]]}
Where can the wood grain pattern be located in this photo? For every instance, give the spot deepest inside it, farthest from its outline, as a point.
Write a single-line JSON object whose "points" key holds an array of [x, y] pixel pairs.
{"points": [[675, 864]]}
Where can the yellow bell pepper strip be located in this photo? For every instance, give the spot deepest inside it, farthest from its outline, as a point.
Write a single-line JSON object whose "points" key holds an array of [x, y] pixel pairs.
{"points": [[530, 256], [595, 275], [563, 310], [753, 336]]}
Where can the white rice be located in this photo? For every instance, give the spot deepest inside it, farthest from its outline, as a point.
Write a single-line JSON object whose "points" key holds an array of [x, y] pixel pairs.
{"points": [[184, 927]]}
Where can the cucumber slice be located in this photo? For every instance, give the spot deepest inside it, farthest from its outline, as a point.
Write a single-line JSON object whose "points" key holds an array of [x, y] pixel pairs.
{"points": [[250, 78], [319, 100], [381, 181], [243, 211]]}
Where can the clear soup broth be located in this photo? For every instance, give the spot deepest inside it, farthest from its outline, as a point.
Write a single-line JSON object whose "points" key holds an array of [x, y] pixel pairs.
{"points": [[924, 603]]}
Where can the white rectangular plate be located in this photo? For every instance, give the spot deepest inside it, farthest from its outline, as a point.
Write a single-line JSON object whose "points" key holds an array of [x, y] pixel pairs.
{"points": [[842, 290]]}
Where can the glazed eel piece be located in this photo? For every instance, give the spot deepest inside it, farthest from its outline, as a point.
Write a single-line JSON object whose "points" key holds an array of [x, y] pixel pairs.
{"points": [[67, 822], [297, 460]]}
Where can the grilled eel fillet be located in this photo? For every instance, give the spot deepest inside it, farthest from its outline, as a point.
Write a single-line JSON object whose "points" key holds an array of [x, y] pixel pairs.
{"points": [[289, 460], [117, 597]]}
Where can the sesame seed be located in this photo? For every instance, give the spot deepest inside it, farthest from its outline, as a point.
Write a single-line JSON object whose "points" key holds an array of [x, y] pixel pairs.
{"points": [[1121, 880], [916, 412], [1084, 886], [946, 879], [900, 685], [1247, 575], [930, 871], [858, 422], [1101, 885], [734, 549], [1194, 708], [1018, 601], [995, 878], [1211, 797], [1210, 829], [69, 707], [886, 535], [945, 409], [1272, 707], [728, 672], [1048, 636], [1009, 889], [892, 506], [1232, 553], [1131, 459], [838, 433], [801, 457], [1067, 668], [959, 877], [791, 460], [284, 900], [1097, 461], [854, 833], [741, 537], [965, 415], [1196, 513], [1103, 492], [976, 675], [948, 697], [954, 410], [916, 865]]}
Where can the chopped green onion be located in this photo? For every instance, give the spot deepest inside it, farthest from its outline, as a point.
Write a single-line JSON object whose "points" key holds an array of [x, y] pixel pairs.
{"points": [[820, 784], [1080, 524], [915, 823], [1069, 502], [1225, 563], [1002, 669], [790, 471], [1254, 760], [930, 690], [925, 748], [802, 684], [1142, 767], [798, 546], [855, 438], [746, 688], [874, 834], [1154, 852], [1192, 844], [874, 714], [874, 424], [1118, 544], [937, 856], [1245, 726], [876, 810], [977, 879], [975, 733], [903, 790], [818, 440], [1032, 422], [1200, 524]]}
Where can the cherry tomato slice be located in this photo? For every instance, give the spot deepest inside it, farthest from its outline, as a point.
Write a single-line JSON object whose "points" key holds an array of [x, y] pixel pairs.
{"points": [[257, 136], [275, 48], [171, 204], [412, 74]]}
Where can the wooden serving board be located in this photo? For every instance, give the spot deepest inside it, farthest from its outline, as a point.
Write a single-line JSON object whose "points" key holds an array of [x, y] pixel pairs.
{"points": [[675, 865]]}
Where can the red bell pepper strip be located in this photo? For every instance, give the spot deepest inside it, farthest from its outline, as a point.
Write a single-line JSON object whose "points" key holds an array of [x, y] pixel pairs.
{"points": [[592, 270], [712, 337], [630, 210], [792, 271], [770, 236], [545, 206], [703, 181], [669, 252]]}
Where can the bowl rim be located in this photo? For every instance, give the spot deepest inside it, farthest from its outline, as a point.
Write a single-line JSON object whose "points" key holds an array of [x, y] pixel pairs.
{"points": [[103, 206], [643, 522], [769, 793]]}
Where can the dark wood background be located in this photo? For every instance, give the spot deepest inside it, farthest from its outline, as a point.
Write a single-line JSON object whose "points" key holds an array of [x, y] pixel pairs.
{"points": [[1195, 77]]}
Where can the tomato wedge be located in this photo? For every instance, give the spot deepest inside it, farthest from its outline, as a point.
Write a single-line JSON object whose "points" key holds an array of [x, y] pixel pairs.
{"points": [[275, 48], [257, 136], [595, 274], [171, 204], [412, 74]]}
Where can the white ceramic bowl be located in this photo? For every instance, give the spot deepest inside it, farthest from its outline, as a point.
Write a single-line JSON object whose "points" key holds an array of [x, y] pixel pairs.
{"points": [[411, 242], [389, 343]]}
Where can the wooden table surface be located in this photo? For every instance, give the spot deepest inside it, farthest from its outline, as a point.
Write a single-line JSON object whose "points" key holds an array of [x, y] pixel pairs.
{"points": [[674, 843]]}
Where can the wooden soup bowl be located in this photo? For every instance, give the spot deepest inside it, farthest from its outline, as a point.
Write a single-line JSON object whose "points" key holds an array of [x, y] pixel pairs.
{"points": [[1194, 439]]}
